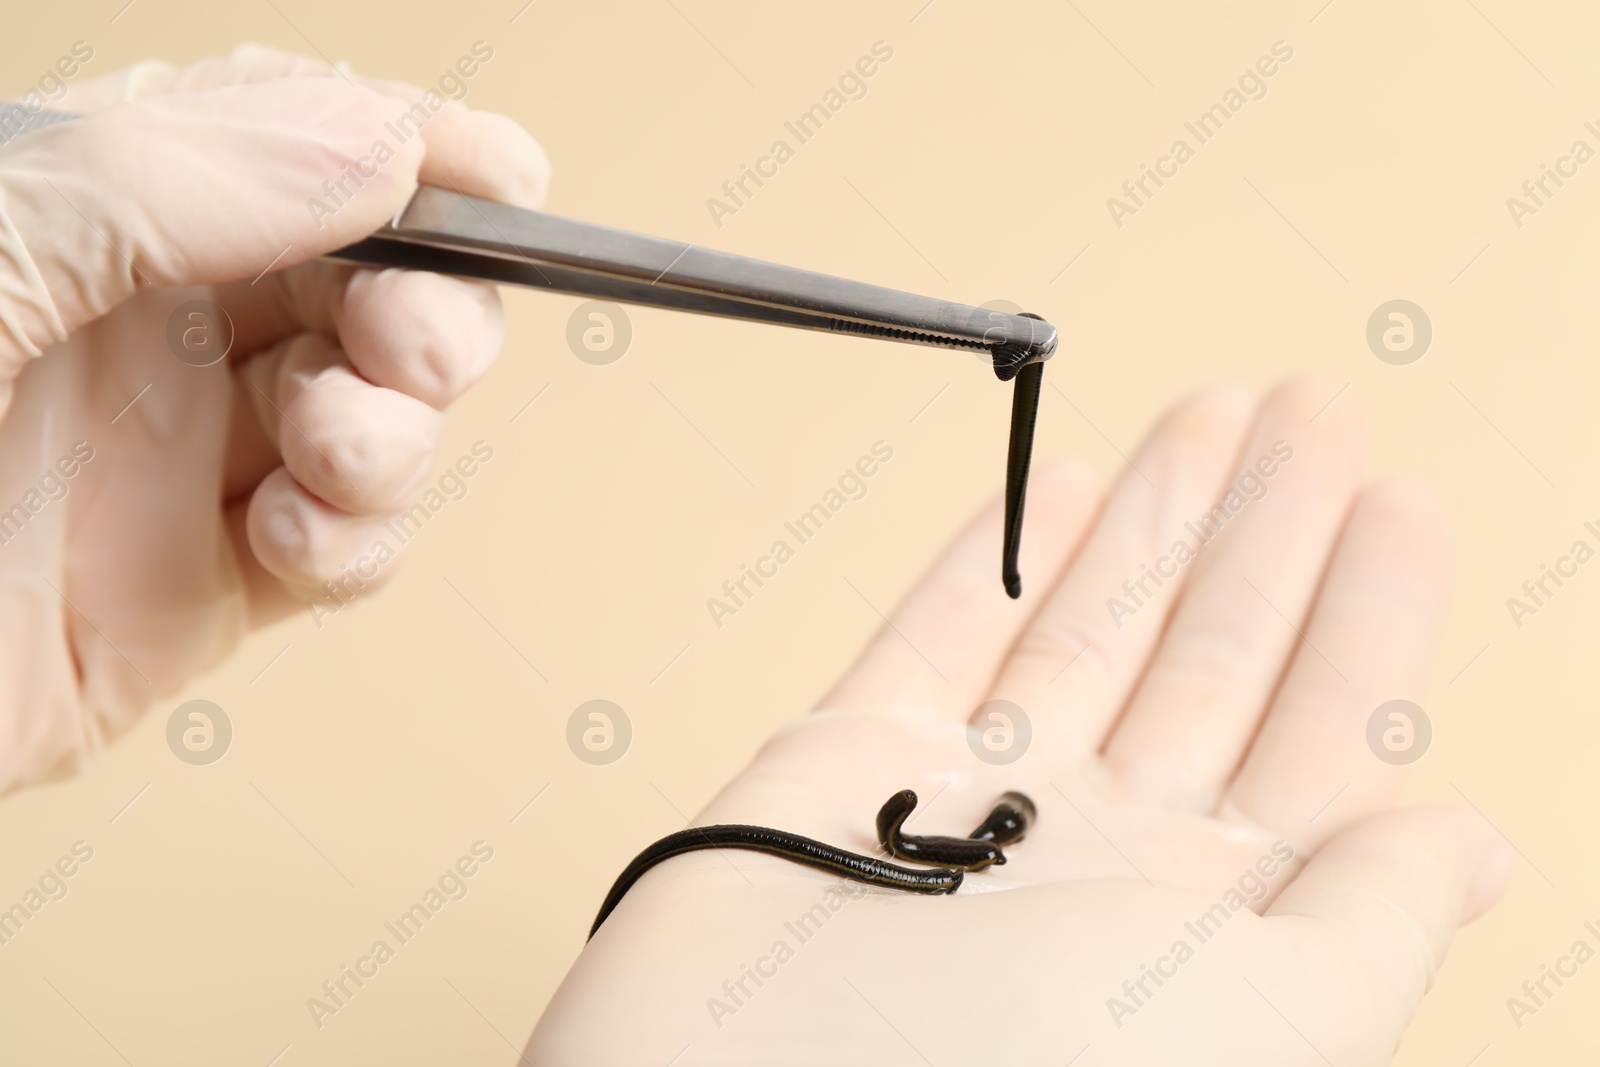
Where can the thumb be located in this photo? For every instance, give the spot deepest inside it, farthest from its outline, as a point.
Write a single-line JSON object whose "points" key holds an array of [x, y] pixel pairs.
{"points": [[1391, 892], [188, 189]]}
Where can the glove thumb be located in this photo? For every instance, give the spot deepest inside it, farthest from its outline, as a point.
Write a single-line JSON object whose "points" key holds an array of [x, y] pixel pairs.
{"points": [[190, 189]]}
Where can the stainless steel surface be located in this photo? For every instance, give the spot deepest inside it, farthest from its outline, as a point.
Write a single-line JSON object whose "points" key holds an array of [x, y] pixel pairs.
{"points": [[581, 257]]}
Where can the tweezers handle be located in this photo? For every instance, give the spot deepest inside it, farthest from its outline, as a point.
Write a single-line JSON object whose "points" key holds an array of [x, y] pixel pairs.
{"points": [[452, 232], [447, 231]]}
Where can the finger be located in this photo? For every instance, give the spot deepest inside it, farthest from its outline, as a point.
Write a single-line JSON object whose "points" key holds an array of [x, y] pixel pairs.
{"points": [[1265, 549], [357, 446], [1370, 640], [251, 452], [1382, 901], [427, 335], [179, 190], [1078, 658], [303, 541], [480, 153], [247, 64], [266, 598], [424, 335], [475, 152], [942, 646], [421, 335]]}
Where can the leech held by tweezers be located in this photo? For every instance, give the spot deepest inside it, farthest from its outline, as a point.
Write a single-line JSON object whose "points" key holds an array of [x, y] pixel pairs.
{"points": [[452, 233], [1019, 458], [449, 232]]}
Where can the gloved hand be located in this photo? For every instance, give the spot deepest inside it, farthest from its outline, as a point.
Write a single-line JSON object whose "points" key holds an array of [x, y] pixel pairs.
{"points": [[1216, 875], [152, 510]]}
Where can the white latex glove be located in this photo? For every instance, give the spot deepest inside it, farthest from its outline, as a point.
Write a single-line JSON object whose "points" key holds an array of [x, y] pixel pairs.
{"points": [[202, 508], [1175, 760]]}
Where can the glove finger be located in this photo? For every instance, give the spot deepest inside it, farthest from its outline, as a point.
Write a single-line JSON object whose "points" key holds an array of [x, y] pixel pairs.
{"points": [[187, 189], [427, 335], [1381, 902], [248, 64], [304, 541], [480, 153], [356, 446]]}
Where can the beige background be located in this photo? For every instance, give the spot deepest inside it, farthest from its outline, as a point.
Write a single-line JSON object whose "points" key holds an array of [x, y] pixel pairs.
{"points": [[374, 751]]}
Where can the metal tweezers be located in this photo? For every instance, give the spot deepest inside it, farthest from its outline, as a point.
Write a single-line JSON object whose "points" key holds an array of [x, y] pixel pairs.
{"points": [[451, 233]]}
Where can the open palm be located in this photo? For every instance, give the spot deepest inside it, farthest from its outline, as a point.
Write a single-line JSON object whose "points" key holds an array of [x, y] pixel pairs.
{"points": [[1214, 876]]}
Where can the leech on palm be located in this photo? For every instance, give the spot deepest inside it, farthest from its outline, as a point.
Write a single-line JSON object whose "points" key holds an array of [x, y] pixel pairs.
{"points": [[1169, 754]]}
